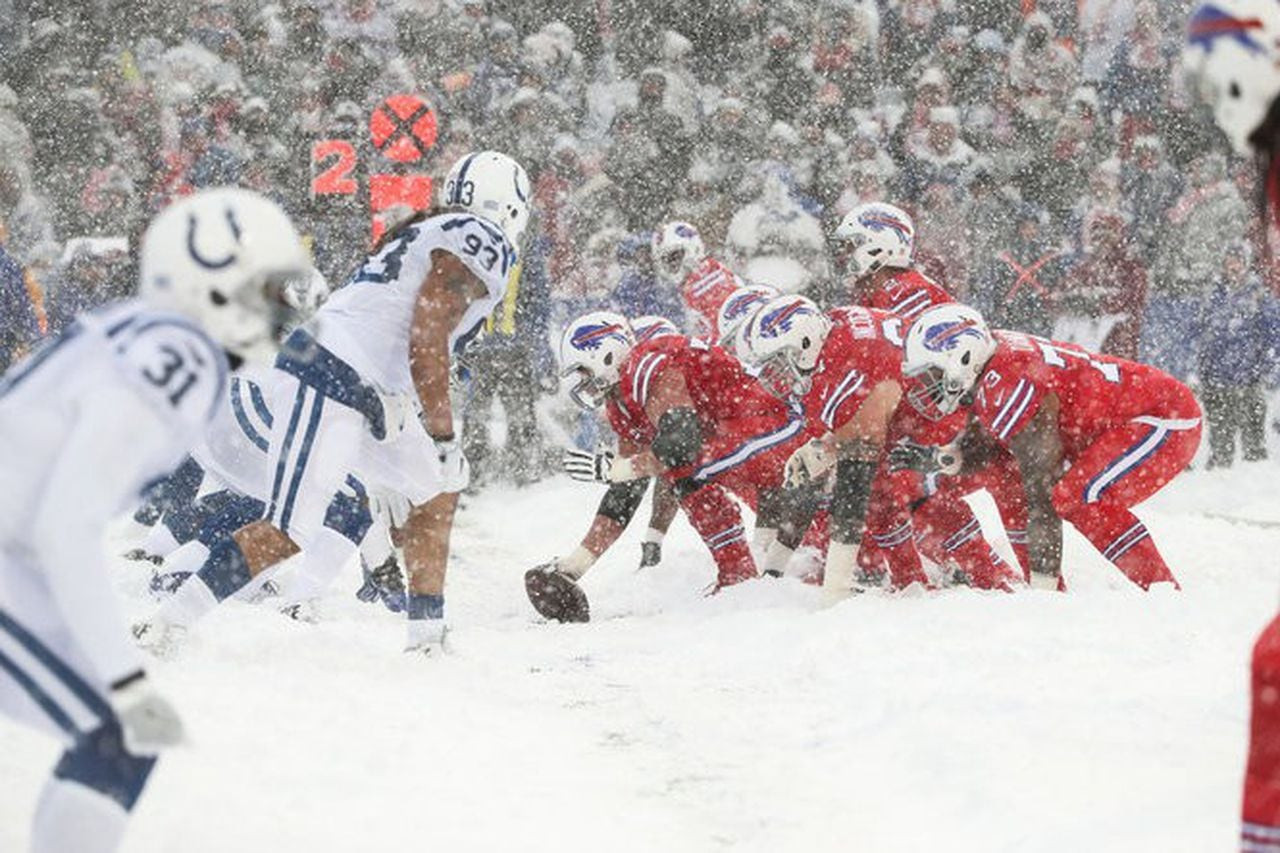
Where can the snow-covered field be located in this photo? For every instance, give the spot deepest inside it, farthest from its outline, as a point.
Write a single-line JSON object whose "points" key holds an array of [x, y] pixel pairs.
{"points": [[759, 719]]}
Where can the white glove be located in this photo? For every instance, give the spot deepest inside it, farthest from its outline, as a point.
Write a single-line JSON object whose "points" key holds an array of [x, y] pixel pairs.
{"points": [[399, 409], [809, 462], [454, 468], [392, 507], [588, 467], [149, 722]]}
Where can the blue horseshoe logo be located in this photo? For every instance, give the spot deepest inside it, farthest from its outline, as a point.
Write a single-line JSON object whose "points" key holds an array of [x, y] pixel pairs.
{"points": [[200, 259]]}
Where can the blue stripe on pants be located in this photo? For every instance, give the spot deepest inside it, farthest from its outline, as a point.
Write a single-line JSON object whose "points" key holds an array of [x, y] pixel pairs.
{"points": [[57, 668], [313, 424], [285, 446]]}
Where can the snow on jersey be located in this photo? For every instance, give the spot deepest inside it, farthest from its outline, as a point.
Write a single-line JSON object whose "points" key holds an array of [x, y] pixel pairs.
{"points": [[176, 374], [719, 387], [367, 321], [705, 289], [1095, 392], [908, 293], [863, 349]]}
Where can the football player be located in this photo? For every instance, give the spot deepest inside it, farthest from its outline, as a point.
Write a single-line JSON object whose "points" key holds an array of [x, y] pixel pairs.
{"points": [[122, 393], [1093, 435], [843, 371], [1233, 58], [367, 394], [682, 410], [680, 257]]}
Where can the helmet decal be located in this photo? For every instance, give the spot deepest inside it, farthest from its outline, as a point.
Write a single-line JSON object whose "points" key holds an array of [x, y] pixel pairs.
{"points": [[515, 178], [647, 331], [778, 320], [1210, 23], [590, 336], [685, 230], [739, 303], [945, 336], [880, 220], [220, 263]]}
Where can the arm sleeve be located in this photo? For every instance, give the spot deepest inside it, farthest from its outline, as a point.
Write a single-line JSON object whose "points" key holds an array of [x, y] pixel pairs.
{"points": [[83, 491]]}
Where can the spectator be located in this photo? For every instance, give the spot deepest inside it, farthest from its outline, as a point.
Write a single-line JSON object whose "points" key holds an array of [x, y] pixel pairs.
{"points": [[20, 320], [1105, 290], [1209, 215], [1240, 345]]}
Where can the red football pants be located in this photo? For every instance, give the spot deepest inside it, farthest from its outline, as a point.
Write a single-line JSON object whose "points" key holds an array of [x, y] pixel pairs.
{"points": [[1260, 827], [716, 517], [1123, 467]]}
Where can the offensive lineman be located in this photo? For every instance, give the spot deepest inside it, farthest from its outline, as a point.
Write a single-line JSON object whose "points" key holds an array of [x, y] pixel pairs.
{"points": [[1093, 435], [121, 395], [368, 395], [1233, 52]]}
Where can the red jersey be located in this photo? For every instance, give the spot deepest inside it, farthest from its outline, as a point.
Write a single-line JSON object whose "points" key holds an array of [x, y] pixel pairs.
{"points": [[1096, 393], [706, 288], [863, 349], [721, 390], [908, 293], [748, 433]]}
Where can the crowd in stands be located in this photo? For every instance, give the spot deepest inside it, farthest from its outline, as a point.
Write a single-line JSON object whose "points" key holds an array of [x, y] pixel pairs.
{"points": [[1063, 178]]}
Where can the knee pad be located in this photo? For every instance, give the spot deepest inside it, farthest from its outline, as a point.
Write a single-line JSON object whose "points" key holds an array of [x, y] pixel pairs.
{"points": [[622, 500], [100, 762]]}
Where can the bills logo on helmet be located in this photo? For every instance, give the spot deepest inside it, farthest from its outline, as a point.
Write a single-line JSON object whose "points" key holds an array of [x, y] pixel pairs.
{"points": [[739, 304], [946, 336], [648, 330], [1210, 23], [778, 320], [878, 219], [590, 337]]}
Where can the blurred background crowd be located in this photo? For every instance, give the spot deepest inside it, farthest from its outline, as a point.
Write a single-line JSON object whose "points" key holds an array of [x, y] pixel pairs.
{"points": [[1061, 176]]}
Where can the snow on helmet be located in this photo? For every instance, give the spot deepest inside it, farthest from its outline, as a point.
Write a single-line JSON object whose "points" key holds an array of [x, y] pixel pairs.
{"points": [[875, 235], [1233, 56], [783, 339], [225, 257], [593, 348], [677, 250], [946, 350], [738, 307], [651, 326], [491, 185]]}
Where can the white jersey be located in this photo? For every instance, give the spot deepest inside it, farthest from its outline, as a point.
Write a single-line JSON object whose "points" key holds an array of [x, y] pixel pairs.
{"points": [[367, 321], [88, 421], [234, 449]]}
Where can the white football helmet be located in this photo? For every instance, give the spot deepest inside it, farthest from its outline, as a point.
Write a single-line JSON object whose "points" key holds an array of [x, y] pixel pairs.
{"points": [[1233, 56], [872, 236], [593, 348], [677, 250], [738, 307], [784, 339], [652, 326], [947, 348], [494, 186], [225, 258]]}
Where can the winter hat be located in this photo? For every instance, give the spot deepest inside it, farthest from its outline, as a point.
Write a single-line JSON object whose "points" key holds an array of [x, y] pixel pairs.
{"points": [[675, 46], [989, 41]]}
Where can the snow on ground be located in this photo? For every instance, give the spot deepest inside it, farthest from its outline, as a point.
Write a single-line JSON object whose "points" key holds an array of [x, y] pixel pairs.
{"points": [[759, 719]]}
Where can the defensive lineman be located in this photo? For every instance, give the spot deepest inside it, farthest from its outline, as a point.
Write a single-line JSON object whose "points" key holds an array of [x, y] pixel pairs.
{"points": [[368, 393], [85, 423]]}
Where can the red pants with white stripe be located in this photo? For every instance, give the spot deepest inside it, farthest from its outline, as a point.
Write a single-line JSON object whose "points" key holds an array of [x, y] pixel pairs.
{"points": [[714, 514], [1120, 469], [1260, 827]]}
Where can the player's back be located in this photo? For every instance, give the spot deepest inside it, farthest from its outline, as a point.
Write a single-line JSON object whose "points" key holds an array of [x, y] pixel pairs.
{"points": [[862, 350], [720, 388], [367, 321], [907, 293], [1095, 392], [124, 362]]}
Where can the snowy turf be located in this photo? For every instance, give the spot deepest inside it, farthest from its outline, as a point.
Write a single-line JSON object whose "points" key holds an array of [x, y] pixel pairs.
{"points": [[1105, 719]]}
